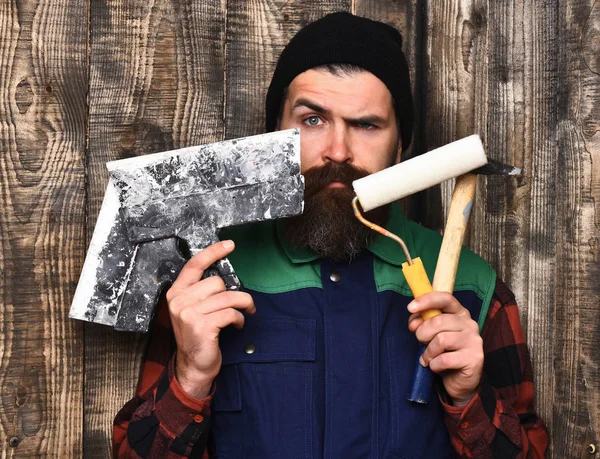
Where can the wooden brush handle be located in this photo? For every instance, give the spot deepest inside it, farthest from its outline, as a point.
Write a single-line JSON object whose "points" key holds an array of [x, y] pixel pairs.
{"points": [[454, 234]]}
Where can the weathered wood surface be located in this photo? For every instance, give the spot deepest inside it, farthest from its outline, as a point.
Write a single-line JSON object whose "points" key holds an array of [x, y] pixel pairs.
{"points": [[156, 83], [142, 77], [575, 325], [43, 82], [256, 34], [493, 68], [482, 80]]}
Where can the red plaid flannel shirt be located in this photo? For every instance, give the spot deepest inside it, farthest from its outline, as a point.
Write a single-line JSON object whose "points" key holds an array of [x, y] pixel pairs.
{"points": [[500, 421]]}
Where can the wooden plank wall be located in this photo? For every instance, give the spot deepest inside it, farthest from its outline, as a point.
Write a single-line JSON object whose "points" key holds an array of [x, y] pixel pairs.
{"points": [[82, 83], [43, 87]]}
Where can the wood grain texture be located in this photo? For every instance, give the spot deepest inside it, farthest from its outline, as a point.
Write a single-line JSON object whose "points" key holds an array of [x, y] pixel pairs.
{"points": [[491, 72], [513, 226], [454, 76], [257, 32], [166, 74], [576, 325], [523, 82], [493, 69], [42, 141], [156, 83]]}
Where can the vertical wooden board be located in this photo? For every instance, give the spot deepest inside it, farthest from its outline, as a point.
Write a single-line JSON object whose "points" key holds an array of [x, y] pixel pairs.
{"points": [[156, 83], [439, 101], [406, 16], [532, 248], [514, 225], [112, 362], [43, 50], [257, 32], [576, 401], [454, 74], [490, 71], [457, 95]]}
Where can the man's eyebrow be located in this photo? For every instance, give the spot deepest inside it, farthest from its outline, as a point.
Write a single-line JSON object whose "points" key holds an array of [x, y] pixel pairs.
{"points": [[367, 119], [309, 104]]}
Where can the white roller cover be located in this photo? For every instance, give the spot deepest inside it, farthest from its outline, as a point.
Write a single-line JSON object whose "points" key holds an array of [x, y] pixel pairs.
{"points": [[419, 173]]}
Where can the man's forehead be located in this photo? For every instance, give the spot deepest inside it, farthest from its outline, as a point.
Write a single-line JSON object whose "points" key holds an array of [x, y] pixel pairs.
{"points": [[359, 86], [345, 71]]}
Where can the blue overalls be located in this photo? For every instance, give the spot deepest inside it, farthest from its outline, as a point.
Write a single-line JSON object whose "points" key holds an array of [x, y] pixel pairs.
{"points": [[323, 367]]}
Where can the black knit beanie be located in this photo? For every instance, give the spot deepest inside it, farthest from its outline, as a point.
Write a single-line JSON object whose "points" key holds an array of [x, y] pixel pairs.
{"points": [[342, 38]]}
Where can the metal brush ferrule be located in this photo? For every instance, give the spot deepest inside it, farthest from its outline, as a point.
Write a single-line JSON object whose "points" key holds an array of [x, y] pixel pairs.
{"points": [[380, 230]]}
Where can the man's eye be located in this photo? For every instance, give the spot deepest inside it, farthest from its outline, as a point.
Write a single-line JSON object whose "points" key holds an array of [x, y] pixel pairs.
{"points": [[313, 121], [366, 126]]}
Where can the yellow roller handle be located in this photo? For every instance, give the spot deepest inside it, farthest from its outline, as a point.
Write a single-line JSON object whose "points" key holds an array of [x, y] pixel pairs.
{"points": [[422, 380], [419, 284]]}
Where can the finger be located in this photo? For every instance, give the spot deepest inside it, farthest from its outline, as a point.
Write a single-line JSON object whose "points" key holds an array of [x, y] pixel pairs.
{"points": [[225, 300], [181, 299], [457, 360], [195, 267], [442, 342], [224, 317], [437, 300], [414, 322], [228, 299], [209, 326], [445, 323]]}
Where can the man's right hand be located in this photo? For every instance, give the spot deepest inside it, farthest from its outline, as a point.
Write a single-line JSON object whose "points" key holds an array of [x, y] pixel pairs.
{"points": [[199, 309]]}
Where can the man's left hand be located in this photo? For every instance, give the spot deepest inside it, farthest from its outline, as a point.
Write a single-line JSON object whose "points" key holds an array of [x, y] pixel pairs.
{"points": [[454, 346]]}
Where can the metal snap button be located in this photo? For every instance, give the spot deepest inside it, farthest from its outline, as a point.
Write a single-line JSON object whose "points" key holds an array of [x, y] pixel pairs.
{"points": [[335, 277], [250, 348]]}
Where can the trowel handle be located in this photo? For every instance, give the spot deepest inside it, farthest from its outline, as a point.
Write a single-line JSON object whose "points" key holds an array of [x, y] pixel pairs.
{"points": [[156, 264], [445, 271], [224, 270]]}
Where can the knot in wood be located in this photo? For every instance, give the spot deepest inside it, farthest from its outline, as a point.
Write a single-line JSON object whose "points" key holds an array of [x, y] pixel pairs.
{"points": [[24, 95]]}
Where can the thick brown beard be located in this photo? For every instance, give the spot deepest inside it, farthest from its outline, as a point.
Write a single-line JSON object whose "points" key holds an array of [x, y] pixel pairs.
{"points": [[328, 225]]}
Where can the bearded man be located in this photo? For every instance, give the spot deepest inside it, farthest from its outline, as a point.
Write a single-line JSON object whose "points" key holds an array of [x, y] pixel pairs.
{"points": [[314, 358]]}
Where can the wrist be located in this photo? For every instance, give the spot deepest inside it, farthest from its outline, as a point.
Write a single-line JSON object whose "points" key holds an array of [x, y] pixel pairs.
{"points": [[198, 388], [462, 401], [194, 383]]}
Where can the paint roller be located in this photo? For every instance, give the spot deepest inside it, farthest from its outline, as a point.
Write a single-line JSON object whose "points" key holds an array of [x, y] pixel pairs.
{"points": [[462, 159]]}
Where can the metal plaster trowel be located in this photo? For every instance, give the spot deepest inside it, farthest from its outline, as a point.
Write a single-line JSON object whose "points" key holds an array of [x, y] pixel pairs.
{"points": [[163, 208]]}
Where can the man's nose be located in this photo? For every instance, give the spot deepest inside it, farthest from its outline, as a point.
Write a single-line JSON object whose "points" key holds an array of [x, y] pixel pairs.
{"points": [[338, 149]]}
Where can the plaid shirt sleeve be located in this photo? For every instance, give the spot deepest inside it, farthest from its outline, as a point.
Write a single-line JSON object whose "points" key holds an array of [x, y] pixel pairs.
{"points": [[500, 420], [162, 420]]}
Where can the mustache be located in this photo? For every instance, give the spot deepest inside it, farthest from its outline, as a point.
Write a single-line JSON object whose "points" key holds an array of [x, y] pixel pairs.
{"points": [[328, 226], [318, 178]]}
